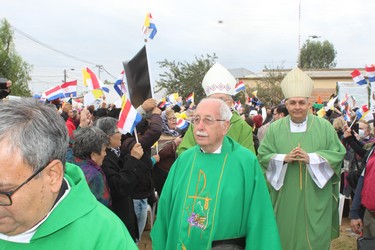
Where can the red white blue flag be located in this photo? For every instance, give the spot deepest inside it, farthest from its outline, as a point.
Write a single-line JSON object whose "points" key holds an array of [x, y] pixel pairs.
{"points": [[128, 118], [358, 77], [190, 98], [182, 124], [345, 100], [119, 85], [69, 89], [239, 105], [362, 112], [240, 86], [53, 93], [371, 72], [162, 104]]}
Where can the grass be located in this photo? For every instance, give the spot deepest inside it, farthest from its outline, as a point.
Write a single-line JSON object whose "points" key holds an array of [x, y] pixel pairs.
{"points": [[345, 241]]}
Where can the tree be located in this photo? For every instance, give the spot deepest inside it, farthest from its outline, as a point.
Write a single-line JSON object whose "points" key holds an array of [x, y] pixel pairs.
{"points": [[185, 78], [269, 89], [12, 65], [317, 55]]}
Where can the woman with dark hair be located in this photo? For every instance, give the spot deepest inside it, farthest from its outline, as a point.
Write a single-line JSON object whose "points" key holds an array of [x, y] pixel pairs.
{"points": [[122, 173], [89, 150], [148, 132]]}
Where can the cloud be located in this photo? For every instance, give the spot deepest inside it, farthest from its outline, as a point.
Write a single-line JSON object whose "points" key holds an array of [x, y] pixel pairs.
{"points": [[253, 34]]}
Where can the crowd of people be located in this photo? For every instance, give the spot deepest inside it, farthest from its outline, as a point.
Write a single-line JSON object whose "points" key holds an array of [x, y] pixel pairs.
{"points": [[254, 178]]}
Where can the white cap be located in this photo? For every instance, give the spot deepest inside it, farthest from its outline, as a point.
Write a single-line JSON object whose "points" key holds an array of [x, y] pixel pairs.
{"points": [[297, 84], [253, 112], [219, 80]]}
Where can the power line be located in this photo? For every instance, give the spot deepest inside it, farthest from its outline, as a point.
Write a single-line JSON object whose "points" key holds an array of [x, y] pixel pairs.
{"points": [[51, 48], [101, 67], [114, 77]]}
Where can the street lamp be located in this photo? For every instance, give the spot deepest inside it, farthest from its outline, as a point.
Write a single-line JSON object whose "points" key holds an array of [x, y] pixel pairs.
{"points": [[65, 70]]}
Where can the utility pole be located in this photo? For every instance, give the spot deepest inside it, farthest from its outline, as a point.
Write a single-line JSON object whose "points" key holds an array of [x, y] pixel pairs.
{"points": [[299, 28], [100, 67], [65, 70]]}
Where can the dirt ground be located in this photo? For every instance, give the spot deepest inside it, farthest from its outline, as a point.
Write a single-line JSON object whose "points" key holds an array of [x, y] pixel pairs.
{"points": [[346, 241]]}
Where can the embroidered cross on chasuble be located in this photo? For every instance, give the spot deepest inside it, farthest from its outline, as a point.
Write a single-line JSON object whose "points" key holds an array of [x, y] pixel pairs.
{"points": [[200, 199]]}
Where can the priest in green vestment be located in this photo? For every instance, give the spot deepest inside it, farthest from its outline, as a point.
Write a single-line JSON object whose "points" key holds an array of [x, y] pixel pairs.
{"points": [[46, 204], [215, 195], [301, 155], [219, 83]]}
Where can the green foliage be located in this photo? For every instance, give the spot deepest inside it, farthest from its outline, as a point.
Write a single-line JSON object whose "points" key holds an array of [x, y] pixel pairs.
{"points": [[12, 65], [106, 82], [269, 90], [185, 78], [317, 55], [241, 96]]}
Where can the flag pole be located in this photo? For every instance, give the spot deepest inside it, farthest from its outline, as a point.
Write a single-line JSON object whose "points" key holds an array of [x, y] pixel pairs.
{"points": [[135, 134], [149, 70], [147, 57]]}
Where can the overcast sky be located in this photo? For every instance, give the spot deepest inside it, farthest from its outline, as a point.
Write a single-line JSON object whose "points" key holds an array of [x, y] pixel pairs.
{"points": [[252, 34]]}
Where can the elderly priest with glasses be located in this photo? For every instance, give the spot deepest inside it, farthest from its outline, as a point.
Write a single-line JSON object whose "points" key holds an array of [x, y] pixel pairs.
{"points": [[46, 203], [219, 83], [215, 196]]}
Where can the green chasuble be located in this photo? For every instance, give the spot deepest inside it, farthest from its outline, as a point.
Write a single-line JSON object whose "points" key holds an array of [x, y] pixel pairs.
{"points": [[209, 197], [78, 222], [306, 215], [239, 131]]}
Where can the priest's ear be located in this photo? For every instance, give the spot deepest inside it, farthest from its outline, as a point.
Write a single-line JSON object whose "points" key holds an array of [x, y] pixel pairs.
{"points": [[54, 173], [226, 126]]}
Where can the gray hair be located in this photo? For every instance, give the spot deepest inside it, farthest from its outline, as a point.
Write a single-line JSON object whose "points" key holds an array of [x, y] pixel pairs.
{"points": [[224, 110], [89, 140], [107, 124], [37, 131]]}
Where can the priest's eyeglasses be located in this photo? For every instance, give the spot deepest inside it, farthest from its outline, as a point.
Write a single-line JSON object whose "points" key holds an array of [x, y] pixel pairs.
{"points": [[206, 120], [6, 197]]}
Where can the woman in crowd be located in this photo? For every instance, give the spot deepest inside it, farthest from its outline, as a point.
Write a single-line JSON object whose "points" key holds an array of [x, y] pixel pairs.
{"points": [[89, 150], [122, 173], [167, 145]]}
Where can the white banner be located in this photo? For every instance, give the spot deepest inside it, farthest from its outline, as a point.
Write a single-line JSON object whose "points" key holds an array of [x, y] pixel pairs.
{"points": [[356, 92]]}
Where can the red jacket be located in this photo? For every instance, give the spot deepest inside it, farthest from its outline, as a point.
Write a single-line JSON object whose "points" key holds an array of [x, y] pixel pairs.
{"points": [[70, 125]]}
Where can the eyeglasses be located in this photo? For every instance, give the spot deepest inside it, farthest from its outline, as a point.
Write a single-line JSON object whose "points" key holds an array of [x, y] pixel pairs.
{"points": [[206, 121], [6, 197], [172, 118]]}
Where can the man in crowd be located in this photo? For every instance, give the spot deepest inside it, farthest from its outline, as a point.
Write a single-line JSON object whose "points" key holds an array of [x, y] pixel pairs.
{"points": [[278, 112], [302, 157], [219, 83], [215, 195], [4, 87], [45, 203]]}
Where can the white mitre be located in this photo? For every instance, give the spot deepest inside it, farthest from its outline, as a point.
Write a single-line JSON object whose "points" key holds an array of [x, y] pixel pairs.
{"points": [[297, 84], [219, 80]]}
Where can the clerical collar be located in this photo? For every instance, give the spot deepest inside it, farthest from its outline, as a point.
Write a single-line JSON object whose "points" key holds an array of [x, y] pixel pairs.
{"points": [[298, 127], [217, 151], [26, 236]]}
